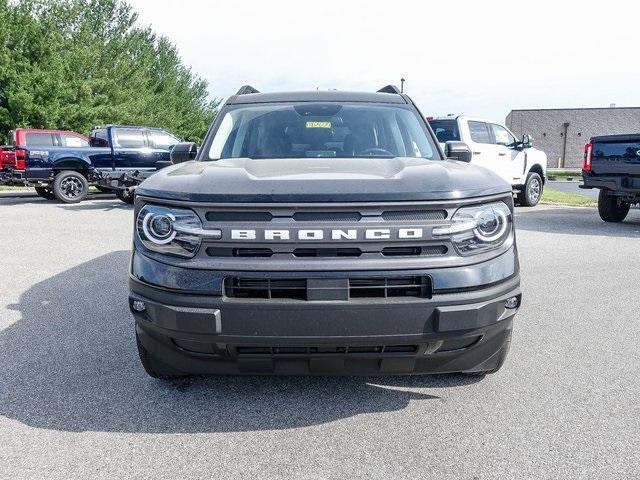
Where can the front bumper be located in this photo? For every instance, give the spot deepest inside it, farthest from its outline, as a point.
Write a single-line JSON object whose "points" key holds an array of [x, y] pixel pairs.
{"points": [[454, 331]]}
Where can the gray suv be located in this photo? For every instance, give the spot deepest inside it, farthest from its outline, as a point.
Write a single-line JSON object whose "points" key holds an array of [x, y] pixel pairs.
{"points": [[323, 233]]}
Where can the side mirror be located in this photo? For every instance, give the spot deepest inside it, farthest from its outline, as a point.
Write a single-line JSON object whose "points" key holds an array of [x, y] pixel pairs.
{"points": [[457, 151], [183, 152], [527, 141]]}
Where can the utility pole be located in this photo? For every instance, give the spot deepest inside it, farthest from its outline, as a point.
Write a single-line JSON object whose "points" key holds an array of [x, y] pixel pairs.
{"points": [[402, 85], [565, 126]]}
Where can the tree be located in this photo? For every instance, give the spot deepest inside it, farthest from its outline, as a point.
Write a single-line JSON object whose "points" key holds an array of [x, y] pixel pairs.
{"points": [[74, 64]]}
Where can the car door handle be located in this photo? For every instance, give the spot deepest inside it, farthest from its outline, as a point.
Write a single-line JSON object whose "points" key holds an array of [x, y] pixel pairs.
{"points": [[502, 154], [477, 153]]}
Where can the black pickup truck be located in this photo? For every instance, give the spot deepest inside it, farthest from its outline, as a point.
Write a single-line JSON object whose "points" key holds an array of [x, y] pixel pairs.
{"points": [[612, 164], [118, 159], [323, 233]]}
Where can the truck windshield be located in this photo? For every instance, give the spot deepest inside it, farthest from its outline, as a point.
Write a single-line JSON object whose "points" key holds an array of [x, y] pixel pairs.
{"points": [[445, 130], [321, 130]]}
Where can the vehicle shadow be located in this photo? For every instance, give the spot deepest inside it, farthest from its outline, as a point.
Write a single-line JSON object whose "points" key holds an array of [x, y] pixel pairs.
{"points": [[70, 363], [575, 221]]}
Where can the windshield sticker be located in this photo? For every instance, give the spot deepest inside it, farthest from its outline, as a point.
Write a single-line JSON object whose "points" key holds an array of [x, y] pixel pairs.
{"points": [[318, 124]]}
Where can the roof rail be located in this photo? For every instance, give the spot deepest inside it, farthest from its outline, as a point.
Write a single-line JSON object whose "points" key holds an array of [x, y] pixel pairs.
{"points": [[390, 89], [246, 89]]}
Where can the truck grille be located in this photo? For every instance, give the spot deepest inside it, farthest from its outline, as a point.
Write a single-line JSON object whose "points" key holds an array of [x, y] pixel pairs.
{"points": [[326, 237], [328, 289]]}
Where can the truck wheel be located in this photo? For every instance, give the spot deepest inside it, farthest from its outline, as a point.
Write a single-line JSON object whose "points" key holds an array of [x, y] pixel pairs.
{"points": [[45, 192], [154, 367], [612, 208], [70, 186], [532, 191], [504, 351], [126, 196]]}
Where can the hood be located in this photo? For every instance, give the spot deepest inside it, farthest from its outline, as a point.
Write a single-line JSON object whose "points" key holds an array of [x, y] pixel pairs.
{"points": [[322, 180]]}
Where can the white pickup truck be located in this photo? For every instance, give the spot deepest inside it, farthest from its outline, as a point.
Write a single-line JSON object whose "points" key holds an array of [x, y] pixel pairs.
{"points": [[496, 148]]}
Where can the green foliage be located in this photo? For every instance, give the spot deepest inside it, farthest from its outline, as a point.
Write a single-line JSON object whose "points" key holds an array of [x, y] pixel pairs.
{"points": [[74, 64]]}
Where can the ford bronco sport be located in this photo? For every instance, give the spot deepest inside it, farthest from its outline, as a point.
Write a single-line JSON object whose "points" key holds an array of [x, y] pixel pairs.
{"points": [[323, 233]]}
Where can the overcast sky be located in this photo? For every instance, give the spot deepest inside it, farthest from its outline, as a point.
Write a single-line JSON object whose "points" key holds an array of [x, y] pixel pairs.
{"points": [[477, 57]]}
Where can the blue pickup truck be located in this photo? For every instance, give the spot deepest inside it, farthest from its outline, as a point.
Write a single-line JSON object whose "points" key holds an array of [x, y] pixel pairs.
{"points": [[118, 159]]}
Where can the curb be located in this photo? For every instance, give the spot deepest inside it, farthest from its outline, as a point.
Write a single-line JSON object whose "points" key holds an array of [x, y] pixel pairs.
{"points": [[18, 194], [552, 178], [32, 194]]}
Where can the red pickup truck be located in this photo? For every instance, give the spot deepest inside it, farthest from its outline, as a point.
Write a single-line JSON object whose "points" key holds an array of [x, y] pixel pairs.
{"points": [[12, 157]]}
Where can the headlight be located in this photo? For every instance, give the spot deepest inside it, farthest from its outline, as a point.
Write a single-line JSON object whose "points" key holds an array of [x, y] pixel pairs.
{"points": [[478, 229], [174, 231]]}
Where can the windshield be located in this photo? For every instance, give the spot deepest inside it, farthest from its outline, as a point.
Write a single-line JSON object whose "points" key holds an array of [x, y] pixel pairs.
{"points": [[445, 130], [321, 130]]}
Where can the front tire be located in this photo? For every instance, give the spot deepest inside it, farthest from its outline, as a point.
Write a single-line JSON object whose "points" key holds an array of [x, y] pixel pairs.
{"points": [[45, 192], [154, 367], [126, 196], [612, 208], [70, 186], [532, 191]]}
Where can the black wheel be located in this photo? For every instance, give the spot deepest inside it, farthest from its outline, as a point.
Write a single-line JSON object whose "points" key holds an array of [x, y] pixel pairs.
{"points": [[126, 196], [70, 186], [611, 208], [532, 191], [45, 192], [154, 367], [504, 351], [103, 189]]}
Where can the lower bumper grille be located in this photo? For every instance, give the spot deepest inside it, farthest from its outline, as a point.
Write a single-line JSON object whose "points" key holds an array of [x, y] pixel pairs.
{"points": [[326, 350], [329, 289]]}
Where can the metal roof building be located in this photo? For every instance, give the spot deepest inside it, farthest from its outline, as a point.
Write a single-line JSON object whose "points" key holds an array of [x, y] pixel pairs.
{"points": [[562, 132]]}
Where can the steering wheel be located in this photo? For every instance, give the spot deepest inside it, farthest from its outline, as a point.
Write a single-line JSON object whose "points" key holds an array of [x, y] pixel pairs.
{"points": [[370, 152]]}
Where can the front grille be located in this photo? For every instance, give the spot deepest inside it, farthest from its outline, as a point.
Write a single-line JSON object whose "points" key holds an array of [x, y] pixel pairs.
{"points": [[304, 350], [412, 286], [379, 237]]}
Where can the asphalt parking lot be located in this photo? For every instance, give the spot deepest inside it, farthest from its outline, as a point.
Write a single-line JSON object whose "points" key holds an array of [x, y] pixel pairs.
{"points": [[75, 403]]}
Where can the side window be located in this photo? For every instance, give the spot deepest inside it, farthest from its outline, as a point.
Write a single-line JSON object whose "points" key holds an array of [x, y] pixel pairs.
{"points": [[502, 135], [161, 139], [99, 138], [129, 138], [39, 140], [73, 141], [479, 132]]}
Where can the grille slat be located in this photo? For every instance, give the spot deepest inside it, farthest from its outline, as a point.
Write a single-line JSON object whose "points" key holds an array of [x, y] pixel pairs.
{"points": [[414, 215], [327, 216], [233, 216], [327, 252]]}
